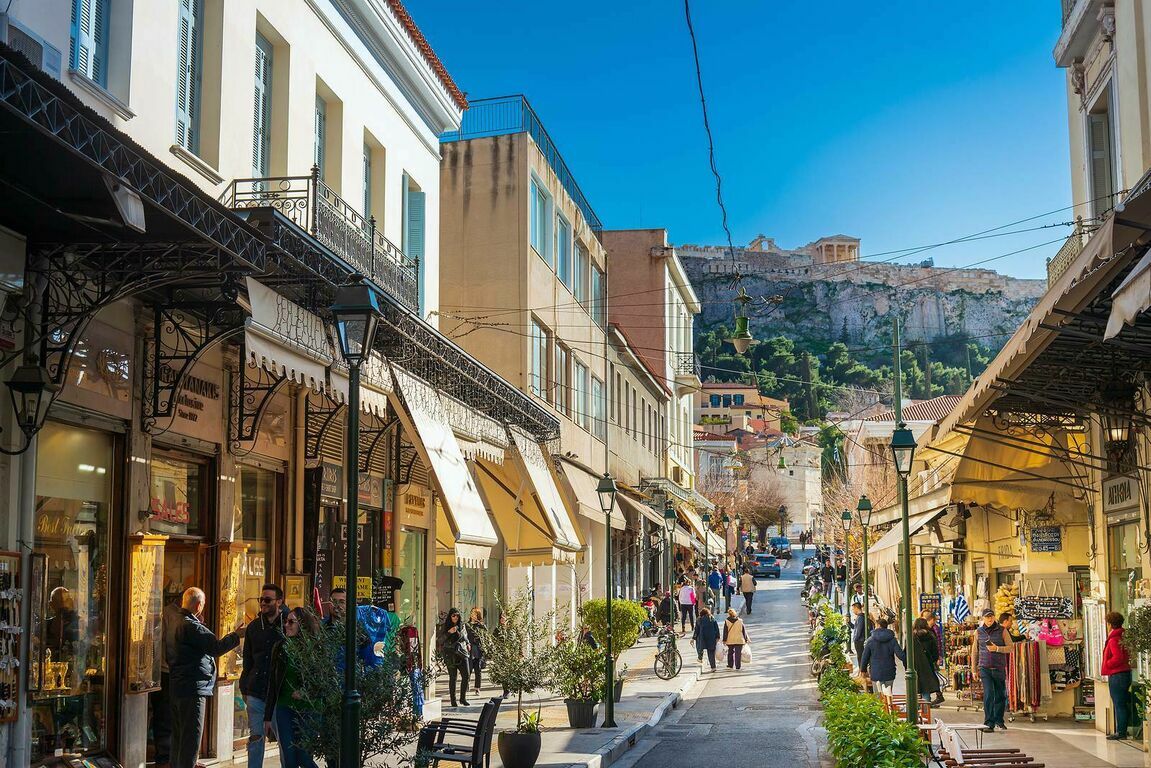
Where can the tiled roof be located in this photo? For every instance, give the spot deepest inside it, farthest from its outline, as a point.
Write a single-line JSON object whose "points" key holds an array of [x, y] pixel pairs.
{"points": [[935, 409], [430, 56]]}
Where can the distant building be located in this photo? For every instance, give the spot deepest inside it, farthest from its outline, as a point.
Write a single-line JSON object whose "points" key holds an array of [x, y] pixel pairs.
{"points": [[721, 407]]}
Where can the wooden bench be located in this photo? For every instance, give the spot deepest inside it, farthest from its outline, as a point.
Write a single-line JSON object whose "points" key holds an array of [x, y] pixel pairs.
{"points": [[953, 754], [435, 745]]}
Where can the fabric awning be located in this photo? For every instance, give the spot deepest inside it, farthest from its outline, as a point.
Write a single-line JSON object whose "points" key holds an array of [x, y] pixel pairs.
{"points": [[374, 388], [535, 465], [583, 486], [693, 523], [638, 508], [715, 544], [886, 550], [524, 526], [1131, 298], [285, 339], [278, 356], [425, 418], [916, 505]]}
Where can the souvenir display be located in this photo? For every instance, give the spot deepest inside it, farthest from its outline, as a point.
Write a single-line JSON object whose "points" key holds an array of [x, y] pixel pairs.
{"points": [[145, 601], [11, 596]]}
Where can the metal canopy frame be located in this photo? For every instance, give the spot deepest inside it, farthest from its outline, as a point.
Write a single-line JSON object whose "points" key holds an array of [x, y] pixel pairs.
{"points": [[253, 388], [320, 414]]}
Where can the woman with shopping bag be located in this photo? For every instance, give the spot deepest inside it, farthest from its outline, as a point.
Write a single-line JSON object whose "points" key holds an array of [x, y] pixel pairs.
{"points": [[736, 639]]}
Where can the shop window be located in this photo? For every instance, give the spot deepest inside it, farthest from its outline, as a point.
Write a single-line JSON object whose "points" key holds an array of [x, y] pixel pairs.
{"points": [[1124, 565], [177, 505], [69, 641], [411, 566]]}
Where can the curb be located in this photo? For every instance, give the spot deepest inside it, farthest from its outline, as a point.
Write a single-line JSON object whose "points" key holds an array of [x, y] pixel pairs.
{"points": [[621, 744]]}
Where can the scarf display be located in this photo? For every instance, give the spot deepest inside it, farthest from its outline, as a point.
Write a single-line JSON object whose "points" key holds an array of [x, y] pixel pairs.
{"points": [[1028, 677]]}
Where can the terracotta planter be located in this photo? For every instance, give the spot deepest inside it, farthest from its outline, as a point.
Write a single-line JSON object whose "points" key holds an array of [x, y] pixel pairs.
{"points": [[519, 750]]}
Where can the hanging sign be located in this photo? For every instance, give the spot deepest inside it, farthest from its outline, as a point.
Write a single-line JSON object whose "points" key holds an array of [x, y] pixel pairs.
{"points": [[1120, 496], [1046, 538], [332, 481], [1044, 607]]}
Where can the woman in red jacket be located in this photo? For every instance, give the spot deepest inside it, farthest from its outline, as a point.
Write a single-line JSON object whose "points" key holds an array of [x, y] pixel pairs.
{"points": [[1118, 671]]}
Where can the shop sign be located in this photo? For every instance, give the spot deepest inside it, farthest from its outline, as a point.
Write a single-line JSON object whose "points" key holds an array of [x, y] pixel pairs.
{"points": [[1047, 538], [1120, 494], [414, 503], [363, 585], [332, 480], [372, 491]]}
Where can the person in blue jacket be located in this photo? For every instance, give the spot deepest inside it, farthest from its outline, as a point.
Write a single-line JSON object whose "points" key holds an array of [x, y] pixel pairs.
{"points": [[715, 582], [192, 675], [879, 654]]}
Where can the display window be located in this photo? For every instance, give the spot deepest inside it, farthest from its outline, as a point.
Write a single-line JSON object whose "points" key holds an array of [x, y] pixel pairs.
{"points": [[411, 567], [1124, 565], [177, 506], [69, 636]]}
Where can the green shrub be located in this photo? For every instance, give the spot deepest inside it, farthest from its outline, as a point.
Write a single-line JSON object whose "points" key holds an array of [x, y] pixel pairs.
{"points": [[836, 680], [627, 617], [862, 735], [579, 671]]}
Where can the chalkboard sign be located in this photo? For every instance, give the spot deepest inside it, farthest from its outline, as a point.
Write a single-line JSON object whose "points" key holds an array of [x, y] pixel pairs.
{"points": [[1037, 607], [1047, 538]]}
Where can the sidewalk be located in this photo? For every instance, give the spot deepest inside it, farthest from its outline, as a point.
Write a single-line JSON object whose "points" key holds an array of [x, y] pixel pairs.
{"points": [[646, 699]]}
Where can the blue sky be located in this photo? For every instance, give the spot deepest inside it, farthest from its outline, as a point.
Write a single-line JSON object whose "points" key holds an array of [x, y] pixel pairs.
{"points": [[903, 123]]}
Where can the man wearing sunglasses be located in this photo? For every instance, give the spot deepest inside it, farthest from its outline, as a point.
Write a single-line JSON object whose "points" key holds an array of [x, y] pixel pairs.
{"points": [[260, 637]]}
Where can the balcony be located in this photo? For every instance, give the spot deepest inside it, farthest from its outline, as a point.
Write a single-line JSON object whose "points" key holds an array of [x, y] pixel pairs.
{"points": [[1068, 252], [312, 206], [685, 366], [1084, 21]]}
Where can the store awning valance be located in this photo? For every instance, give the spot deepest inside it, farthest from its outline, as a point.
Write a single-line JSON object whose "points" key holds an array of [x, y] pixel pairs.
{"points": [[638, 509], [916, 505], [714, 543], [694, 524], [535, 465], [424, 417], [285, 339], [526, 529], [1131, 299], [375, 384], [886, 550], [583, 486]]}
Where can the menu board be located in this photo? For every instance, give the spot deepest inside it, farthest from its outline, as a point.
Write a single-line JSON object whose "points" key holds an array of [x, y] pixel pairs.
{"points": [[1046, 538]]}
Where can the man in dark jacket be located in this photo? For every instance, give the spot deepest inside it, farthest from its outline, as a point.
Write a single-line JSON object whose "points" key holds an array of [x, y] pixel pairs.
{"points": [[828, 574], [260, 637], [665, 613], [879, 653], [859, 629], [193, 676]]}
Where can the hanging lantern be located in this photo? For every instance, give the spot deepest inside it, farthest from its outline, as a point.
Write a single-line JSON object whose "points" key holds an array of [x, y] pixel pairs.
{"points": [[742, 338]]}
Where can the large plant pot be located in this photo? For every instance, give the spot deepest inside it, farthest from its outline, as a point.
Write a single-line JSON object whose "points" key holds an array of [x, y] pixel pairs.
{"points": [[518, 750], [618, 691], [581, 713]]}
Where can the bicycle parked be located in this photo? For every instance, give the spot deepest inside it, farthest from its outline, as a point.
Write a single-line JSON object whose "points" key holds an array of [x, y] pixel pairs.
{"points": [[668, 660]]}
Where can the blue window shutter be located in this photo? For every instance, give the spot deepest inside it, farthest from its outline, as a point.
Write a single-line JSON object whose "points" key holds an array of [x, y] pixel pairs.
{"points": [[321, 119], [262, 109], [89, 41], [415, 227], [367, 182], [189, 55]]}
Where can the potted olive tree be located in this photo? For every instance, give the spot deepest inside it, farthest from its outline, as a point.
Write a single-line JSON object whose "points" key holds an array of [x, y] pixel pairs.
{"points": [[627, 620], [579, 677], [519, 657]]}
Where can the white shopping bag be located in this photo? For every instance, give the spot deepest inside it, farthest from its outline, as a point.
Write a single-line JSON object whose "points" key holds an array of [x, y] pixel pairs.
{"points": [[745, 656]]}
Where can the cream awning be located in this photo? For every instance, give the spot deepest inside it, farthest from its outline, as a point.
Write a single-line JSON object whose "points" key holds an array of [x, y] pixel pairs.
{"points": [[535, 465], [424, 417], [638, 508], [375, 384], [1133, 296], [715, 544], [583, 486], [916, 505], [693, 523], [886, 550], [524, 526], [285, 339]]}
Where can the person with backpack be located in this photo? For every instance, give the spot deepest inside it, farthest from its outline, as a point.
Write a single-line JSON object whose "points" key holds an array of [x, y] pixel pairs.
{"points": [[734, 638], [879, 654], [455, 648], [715, 582], [729, 585]]}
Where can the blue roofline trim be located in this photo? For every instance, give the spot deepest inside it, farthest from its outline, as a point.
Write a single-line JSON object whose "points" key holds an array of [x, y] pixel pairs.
{"points": [[503, 115]]}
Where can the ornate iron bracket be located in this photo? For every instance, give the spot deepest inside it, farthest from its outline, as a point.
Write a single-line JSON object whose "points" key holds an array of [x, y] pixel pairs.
{"points": [[320, 412], [252, 390], [370, 440], [181, 334]]}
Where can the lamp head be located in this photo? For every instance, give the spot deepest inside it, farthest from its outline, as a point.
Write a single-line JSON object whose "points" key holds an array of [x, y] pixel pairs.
{"points": [[668, 516], [903, 449], [846, 520], [357, 314], [863, 509], [31, 388], [607, 490]]}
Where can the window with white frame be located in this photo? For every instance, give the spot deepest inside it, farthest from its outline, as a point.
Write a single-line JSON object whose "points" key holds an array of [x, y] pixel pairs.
{"points": [[580, 394], [582, 274], [189, 73], [1101, 158], [563, 398], [540, 220], [563, 250], [538, 378], [597, 298], [599, 408]]}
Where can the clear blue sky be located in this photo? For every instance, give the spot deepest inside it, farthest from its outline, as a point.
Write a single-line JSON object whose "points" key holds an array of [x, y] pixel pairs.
{"points": [[903, 123]]}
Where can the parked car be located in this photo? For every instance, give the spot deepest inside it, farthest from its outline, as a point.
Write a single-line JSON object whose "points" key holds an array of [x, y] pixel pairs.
{"points": [[766, 566], [781, 547]]}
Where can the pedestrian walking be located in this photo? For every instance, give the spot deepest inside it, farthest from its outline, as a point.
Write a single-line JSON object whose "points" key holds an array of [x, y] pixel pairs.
{"points": [[476, 629], [990, 650], [860, 627], [747, 585], [728, 589], [879, 655], [926, 658], [289, 713], [715, 582], [262, 635], [193, 675], [828, 574], [687, 600], [706, 636], [857, 596], [455, 648], [1117, 668], [734, 638], [841, 578], [665, 613]]}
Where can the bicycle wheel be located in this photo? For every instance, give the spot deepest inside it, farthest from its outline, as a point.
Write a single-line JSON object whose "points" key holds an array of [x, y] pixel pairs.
{"points": [[668, 664]]}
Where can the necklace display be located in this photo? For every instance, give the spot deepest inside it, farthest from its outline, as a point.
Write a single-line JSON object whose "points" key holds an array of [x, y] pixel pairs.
{"points": [[10, 629]]}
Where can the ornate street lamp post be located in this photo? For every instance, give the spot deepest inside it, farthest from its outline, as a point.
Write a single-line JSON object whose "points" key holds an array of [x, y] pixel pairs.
{"points": [[607, 491], [863, 509], [668, 527], [357, 314], [846, 517]]}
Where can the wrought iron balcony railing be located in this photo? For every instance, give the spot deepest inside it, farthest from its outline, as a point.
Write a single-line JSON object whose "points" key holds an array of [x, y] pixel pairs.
{"points": [[1068, 252], [685, 364], [314, 207]]}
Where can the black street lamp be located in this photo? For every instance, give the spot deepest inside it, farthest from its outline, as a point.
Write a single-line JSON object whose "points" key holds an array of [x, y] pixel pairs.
{"points": [[32, 390], [357, 314], [863, 510], [846, 518], [607, 491], [706, 518], [668, 527], [903, 451]]}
